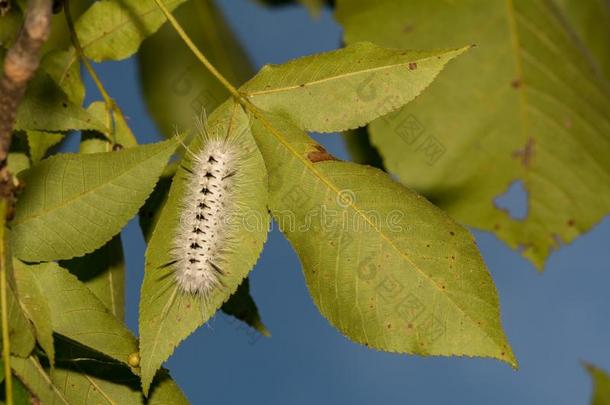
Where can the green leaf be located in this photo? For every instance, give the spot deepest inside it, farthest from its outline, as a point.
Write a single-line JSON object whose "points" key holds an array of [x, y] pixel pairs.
{"points": [[9, 27], [166, 315], [82, 379], [360, 149], [17, 162], [36, 379], [346, 88], [40, 142], [151, 211], [241, 305], [122, 133], [75, 203], [79, 315], [62, 68], [178, 88], [103, 272], [383, 265], [46, 107], [525, 105], [21, 334], [601, 385], [34, 303], [114, 29], [591, 20]]}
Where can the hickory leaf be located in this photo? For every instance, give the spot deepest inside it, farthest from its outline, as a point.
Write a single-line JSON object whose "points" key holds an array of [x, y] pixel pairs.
{"points": [[103, 272], [79, 315], [38, 381], [601, 385], [383, 265], [241, 306], [582, 16], [20, 330], [40, 142], [47, 108], [73, 204], [528, 104], [87, 380], [35, 305], [177, 89], [167, 316], [114, 29], [110, 30], [346, 88]]}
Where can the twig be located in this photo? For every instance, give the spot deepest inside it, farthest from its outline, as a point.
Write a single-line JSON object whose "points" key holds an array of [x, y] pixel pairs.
{"points": [[187, 40], [111, 105], [6, 346], [20, 63]]}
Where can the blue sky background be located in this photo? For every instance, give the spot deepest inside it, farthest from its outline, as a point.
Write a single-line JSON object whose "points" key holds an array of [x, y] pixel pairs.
{"points": [[552, 320]]}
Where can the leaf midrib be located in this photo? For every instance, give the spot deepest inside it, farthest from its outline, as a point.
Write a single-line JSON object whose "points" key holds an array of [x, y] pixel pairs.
{"points": [[70, 201]]}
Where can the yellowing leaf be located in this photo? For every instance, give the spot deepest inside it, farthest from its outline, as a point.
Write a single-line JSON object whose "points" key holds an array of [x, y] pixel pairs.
{"points": [[383, 265], [73, 204], [528, 104]]}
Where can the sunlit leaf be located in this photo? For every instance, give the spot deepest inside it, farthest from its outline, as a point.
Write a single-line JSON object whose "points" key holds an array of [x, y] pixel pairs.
{"points": [[346, 88], [73, 204]]}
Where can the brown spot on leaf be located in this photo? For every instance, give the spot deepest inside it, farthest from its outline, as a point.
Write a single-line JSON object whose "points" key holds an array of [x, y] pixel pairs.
{"points": [[320, 155], [515, 84], [412, 65], [525, 154], [571, 222], [451, 233]]}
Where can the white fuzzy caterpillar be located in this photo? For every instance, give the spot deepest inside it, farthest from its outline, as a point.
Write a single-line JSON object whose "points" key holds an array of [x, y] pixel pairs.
{"points": [[203, 234]]}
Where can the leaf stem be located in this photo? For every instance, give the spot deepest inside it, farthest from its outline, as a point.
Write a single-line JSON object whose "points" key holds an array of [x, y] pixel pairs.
{"points": [[111, 106], [6, 346], [187, 40]]}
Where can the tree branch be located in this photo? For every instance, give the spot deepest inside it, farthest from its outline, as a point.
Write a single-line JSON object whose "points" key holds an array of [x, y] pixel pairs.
{"points": [[20, 63]]}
